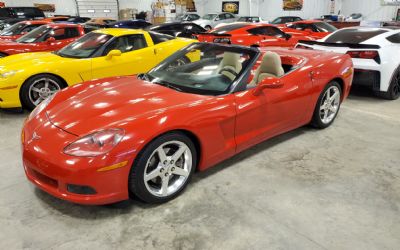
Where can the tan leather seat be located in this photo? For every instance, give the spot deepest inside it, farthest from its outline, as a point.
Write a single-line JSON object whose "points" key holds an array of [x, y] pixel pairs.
{"points": [[229, 65], [271, 66]]}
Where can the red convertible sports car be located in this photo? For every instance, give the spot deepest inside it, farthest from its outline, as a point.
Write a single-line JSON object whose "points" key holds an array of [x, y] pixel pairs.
{"points": [[100, 141], [50, 37], [310, 28], [255, 35], [19, 29]]}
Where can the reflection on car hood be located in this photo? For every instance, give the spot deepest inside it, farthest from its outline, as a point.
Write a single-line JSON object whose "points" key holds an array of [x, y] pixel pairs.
{"points": [[113, 101], [202, 22]]}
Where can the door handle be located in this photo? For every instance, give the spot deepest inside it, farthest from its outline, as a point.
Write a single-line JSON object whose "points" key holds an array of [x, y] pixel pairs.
{"points": [[155, 52]]}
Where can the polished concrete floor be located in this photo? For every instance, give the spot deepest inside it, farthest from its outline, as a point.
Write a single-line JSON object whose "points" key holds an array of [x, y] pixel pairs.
{"points": [[333, 189]]}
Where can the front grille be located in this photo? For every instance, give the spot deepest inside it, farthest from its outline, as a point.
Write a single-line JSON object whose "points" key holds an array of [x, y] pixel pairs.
{"points": [[43, 178]]}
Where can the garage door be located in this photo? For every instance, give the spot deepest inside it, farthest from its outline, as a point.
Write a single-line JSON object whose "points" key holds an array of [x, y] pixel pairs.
{"points": [[98, 8]]}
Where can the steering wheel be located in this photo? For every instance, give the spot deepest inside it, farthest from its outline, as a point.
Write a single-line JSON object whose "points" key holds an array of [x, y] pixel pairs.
{"points": [[229, 70]]}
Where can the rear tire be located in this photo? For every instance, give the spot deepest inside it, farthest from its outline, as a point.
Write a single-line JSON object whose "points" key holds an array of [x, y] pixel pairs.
{"points": [[162, 170], [38, 88], [327, 106], [393, 91]]}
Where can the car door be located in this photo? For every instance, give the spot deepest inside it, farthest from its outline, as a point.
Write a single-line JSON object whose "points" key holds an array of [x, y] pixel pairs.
{"points": [[136, 57], [273, 111], [63, 37], [229, 18], [219, 19]]}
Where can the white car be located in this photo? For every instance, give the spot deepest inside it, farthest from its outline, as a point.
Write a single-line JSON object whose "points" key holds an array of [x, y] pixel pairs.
{"points": [[375, 53], [209, 21]]}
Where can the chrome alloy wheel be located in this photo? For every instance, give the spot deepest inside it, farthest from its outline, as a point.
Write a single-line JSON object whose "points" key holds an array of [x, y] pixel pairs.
{"points": [[329, 104], [168, 168], [42, 89]]}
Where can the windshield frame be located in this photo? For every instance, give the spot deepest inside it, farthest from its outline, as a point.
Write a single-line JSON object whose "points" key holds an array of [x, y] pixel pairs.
{"points": [[239, 84]]}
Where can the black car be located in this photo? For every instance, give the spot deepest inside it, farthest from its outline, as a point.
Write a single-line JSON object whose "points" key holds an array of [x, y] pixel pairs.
{"points": [[76, 20], [13, 15], [286, 19], [177, 29]]}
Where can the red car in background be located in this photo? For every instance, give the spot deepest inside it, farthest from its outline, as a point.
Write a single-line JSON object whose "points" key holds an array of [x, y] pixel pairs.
{"points": [[50, 37], [254, 35], [19, 29], [312, 28]]}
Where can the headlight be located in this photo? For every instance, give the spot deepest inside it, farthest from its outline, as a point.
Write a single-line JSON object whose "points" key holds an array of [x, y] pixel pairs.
{"points": [[95, 144], [8, 73], [39, 108]]}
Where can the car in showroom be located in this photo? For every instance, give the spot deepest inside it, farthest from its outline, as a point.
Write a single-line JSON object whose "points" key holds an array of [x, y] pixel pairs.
{"points": [[177, 29], [12, 15], [311, 28], [75, 20], [21, 28], [188, 17], [255, 35], [285, 19], [250, 19], [50, 37], [146, 135], [27, 79], [100, 22], [373, 51], [210, 21], [129, 24]]}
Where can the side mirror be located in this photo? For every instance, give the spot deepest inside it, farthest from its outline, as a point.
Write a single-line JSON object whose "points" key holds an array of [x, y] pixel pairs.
{"points": [[114, 52], [50, 39], [287, 36], [217, 19], [268, 83]]}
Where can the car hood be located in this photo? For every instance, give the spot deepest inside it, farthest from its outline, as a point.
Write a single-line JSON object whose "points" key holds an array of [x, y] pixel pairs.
{"points": [[113, 102], [202, 22], [20, 62]]}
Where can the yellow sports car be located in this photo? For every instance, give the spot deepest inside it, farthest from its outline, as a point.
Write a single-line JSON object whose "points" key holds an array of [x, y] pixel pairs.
{"points": [[27, 79]]}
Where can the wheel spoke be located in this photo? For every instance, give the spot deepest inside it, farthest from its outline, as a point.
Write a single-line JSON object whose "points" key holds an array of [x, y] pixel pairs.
{"points": [[161, 155], [333, 109], [46, 83], [153, 174], [181, 172], [333, 97], [38, 101], [36, 89], [326, 115], [178, 153], [164, 185]]}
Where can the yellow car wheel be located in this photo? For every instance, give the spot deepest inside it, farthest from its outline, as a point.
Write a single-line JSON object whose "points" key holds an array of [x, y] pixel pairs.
{"points": [[38, 88]]}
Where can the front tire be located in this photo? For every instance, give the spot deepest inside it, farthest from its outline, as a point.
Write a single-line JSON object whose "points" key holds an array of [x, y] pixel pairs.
{"points": [[393, 91], [163, 168], [328, 106], [37, 88]]}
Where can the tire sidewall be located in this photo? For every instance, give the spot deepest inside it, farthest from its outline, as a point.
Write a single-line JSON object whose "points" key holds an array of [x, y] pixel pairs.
{"points": [[24, 93], [136, 182]]}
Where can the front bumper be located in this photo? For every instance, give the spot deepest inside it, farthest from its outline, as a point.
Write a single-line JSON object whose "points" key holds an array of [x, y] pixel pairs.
{"points": [[9, 97], [74, 179]]}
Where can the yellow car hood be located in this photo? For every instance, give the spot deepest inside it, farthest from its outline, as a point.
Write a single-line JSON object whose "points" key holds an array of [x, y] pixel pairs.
{"points": [[19, 61]]}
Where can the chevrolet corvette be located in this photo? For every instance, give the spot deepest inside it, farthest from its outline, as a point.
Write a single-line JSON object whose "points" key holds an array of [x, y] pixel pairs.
{"points": [[145, 135], [27, 79], [48, 37], [19, 29], [252, 34], [311, 28]]}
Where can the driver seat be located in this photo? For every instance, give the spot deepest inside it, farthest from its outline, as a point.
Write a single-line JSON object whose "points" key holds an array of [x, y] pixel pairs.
{"points": [[271, 66], [230, 63]]}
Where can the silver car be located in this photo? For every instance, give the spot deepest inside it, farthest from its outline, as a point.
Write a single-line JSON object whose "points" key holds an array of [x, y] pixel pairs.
{"points": [[209, 21]]}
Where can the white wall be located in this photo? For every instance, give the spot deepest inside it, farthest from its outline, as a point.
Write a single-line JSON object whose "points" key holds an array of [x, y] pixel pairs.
{"points": [[66, 7], [371, 9]]}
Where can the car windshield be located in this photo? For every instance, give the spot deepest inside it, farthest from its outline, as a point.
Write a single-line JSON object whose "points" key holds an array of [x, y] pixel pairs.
{"points": [[37, 35], [209, 16], [248, 19], [325, 27], [85, 46], [13, 30], [353, 36], [205, 69]]}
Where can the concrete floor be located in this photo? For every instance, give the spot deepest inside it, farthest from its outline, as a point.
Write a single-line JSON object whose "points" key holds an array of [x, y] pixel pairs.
{"points": [[333, 189]]}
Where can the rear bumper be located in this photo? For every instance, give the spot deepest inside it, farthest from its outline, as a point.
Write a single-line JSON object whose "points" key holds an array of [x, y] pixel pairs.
{"points": [[369, 78]]}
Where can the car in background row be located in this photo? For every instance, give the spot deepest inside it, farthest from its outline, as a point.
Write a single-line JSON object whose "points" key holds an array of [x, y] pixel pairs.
{"points": [[250, 19], [101, 141], [50, 37], [130, 24], [286, 19], [75, 20], [375, 56], [100, 22], [21, 28], [12, 15], [312, 28], [248, 34], [99, 54], [178, 29], [188, 17], [210, 21]]}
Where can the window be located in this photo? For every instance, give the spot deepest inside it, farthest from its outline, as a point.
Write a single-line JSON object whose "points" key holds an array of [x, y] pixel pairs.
{"points": [[394, 38], [324, 27], [353, 35], [30, 28], [126, 44], [64, 33], [266, 31], [85, 46], [159, 38], [228, 16], [221, 16]]}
